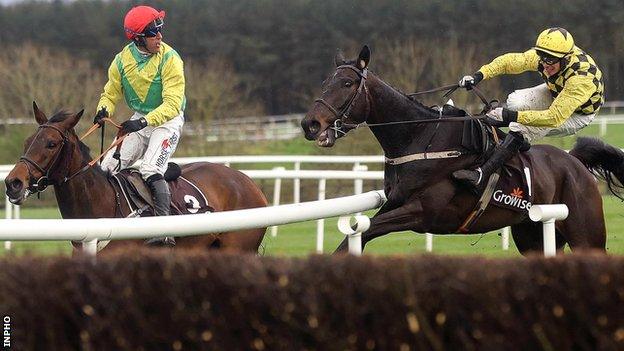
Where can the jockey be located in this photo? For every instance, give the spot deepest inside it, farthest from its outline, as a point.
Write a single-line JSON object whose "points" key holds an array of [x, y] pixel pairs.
{"points": [[149, 75], [566, 102]]}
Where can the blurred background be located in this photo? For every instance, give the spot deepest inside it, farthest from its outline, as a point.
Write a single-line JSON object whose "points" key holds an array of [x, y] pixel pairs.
{"points": [[251, 59]]}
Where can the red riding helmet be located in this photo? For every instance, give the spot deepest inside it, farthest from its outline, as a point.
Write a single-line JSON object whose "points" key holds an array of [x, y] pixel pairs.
{"points": [[139, 17]]}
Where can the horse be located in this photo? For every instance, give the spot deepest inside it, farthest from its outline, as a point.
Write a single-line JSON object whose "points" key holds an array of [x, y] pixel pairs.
{"points": [[55, 155], [421, 194]]}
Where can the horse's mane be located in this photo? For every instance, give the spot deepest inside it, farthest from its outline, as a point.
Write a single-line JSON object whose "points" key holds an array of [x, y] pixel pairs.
{"points": [[414, 101], [59, 116], [454, 112], [62, 115]]}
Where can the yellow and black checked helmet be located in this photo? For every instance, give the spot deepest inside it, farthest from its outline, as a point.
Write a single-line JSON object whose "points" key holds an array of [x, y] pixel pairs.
{"points": [[556, 41]]}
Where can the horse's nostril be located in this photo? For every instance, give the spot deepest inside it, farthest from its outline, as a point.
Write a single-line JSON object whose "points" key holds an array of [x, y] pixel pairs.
{"points": [[15, 185], [314, 127]]}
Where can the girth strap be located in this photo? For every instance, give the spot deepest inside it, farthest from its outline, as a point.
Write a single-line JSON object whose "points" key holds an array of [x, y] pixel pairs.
{"points": [[423, 156]]}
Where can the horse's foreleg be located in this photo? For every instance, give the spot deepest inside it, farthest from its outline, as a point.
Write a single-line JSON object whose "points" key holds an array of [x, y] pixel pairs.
{"points": [[406, 217]]}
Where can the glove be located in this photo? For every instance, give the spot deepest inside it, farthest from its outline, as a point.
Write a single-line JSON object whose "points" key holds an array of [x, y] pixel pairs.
{"points": [[101, 114], [132, 125], [470, 81], [501, 117], [496, 114]]}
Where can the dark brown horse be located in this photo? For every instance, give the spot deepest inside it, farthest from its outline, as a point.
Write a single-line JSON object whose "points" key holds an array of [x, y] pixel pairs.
{"points": [[422, 195], [55, 152]]}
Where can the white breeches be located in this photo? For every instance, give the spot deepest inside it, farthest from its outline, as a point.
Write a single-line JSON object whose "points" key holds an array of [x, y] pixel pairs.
{"points": [[539, 98], [154, 145]]}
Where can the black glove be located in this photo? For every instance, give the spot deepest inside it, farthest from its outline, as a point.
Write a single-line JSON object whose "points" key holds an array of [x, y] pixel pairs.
{"points": [[495, 123], [102, 113], [501, 117], [132, 125]]}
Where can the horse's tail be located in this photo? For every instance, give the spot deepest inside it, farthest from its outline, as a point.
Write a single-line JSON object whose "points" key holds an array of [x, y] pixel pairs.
{"points": [[603, 160]]}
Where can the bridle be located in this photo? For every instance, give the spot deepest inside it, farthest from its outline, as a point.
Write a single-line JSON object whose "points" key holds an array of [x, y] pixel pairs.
{"points": [[40, 184], [43, 181], [343, 115]]}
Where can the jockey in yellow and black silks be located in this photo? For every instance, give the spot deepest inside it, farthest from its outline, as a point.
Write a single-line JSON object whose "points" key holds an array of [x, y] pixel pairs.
{"points": [[149, 75], [567, 101]]}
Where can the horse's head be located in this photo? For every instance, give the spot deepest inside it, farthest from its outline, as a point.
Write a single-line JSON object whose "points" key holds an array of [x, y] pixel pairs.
{"points": [[47, 155], [344, 101]]}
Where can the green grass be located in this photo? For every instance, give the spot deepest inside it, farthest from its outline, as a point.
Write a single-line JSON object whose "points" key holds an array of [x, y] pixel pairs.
{"points": [[299, 239]]}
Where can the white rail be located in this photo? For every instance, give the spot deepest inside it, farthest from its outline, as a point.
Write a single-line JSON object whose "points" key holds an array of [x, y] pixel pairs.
{"points": [[216, 222]]}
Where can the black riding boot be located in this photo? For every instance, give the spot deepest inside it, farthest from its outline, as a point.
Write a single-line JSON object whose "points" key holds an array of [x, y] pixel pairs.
{"points": [[162, 200], [479, 177]]}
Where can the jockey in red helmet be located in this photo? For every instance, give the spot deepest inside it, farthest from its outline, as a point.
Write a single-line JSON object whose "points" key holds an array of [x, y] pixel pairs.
{"points": [[149, 75], [143, 22]]}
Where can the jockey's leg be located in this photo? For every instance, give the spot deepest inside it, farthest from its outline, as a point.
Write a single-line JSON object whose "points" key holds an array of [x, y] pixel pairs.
{"points": [[162, 202], [162, 144], [535, 98], [572, 125], [132, 149], [479, 177]]}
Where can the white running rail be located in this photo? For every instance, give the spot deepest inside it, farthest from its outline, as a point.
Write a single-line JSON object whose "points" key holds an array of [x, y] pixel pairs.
{"points": [[90, 231]]}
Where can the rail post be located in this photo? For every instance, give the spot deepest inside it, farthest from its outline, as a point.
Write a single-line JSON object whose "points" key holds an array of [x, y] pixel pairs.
{"points": [[548, 214], [354, 232], [277, 190]]}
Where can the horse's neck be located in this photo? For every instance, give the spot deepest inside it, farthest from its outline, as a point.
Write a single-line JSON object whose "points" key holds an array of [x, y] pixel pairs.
{"points": [[389, 105], [87, 195]]}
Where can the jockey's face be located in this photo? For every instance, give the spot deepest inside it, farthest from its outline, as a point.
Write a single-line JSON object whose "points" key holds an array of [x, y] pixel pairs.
{"points": [[553, 69], [152, 44]]}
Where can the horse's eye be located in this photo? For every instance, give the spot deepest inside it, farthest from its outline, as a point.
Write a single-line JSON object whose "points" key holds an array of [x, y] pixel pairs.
{"points": [[348, 84], [51, 144]]}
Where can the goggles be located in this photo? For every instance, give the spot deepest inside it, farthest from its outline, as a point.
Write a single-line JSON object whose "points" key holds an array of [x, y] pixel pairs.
{"points": [[153, 28], [548, 59]]}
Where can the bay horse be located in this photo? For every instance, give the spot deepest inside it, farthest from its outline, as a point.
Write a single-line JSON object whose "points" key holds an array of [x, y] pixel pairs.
{"points": [[422, 196], [55, 151]]}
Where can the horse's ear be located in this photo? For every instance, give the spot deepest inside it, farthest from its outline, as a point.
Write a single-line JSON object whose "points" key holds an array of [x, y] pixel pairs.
{"points": [[73, 120], [364, 57], [339, 58], [40, 117]]}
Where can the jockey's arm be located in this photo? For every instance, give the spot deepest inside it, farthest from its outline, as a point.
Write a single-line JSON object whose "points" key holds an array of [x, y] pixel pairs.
{"points": [[577, 90], [511, 63], [112, 90], [172, 94]]}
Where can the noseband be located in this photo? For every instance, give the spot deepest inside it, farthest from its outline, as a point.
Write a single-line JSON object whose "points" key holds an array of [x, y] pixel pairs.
{"points": [[42, 183], [343, 114]]}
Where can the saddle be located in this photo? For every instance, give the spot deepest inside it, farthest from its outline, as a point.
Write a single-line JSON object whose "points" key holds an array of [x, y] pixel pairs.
{"points": [[186, 198]]}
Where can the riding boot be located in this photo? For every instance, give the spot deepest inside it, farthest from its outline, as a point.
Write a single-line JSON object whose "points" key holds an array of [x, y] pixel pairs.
{"points": [[479, 177], [162, 202]]}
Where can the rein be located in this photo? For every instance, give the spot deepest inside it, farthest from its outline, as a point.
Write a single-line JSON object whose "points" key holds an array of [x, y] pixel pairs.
{"points": [[116, 143], [450, 89], [342, 114]]}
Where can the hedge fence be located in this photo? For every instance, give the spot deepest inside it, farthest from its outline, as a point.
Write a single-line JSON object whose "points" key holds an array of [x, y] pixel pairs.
{"points": [[152, 300]]}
